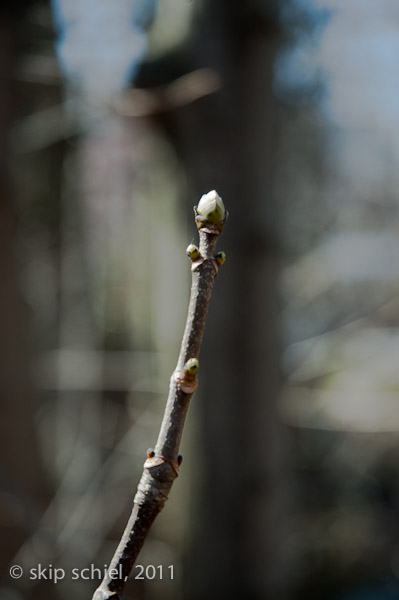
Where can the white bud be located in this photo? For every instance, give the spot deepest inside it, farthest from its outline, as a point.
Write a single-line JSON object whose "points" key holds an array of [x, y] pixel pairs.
{"points": [[211, 207]]}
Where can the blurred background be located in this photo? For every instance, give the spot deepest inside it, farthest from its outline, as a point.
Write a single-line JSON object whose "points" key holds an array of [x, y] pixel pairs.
{"points": [[115, 118]]}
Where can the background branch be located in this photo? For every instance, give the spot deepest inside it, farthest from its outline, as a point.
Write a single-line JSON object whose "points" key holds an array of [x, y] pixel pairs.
{"points": [[162, 464]]}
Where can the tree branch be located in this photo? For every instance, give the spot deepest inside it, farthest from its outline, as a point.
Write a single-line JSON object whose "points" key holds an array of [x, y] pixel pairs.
{"points": [[162, 465]]}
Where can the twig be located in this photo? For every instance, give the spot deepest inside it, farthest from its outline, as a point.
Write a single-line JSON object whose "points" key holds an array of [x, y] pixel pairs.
{"points": [[162, 464]]}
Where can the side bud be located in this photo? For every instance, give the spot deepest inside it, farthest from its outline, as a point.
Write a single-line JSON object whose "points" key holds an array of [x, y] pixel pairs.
{"points": [[188, 383], [220, 258], [191, 367], [192, 252]]}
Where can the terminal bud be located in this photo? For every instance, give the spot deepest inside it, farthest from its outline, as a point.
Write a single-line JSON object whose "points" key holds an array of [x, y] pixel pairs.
{"points": [[211, 208]]}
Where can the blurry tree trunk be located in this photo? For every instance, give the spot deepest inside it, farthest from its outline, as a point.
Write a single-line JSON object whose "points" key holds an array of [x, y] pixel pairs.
{"points": [[21, 486], [226, 141]]}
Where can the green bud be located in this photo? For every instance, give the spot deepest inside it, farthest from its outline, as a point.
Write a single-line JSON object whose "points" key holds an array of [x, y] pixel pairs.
{"points": [[191, 366], [211, 207], [192, 252], [220, 258]]}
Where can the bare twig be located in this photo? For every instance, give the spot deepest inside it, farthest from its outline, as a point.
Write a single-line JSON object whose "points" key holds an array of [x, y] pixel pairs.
{"points": [[162, 464]]}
